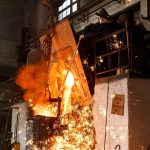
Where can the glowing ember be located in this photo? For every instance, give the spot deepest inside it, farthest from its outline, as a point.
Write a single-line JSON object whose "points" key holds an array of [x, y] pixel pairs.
{"points": [[80, 134], [59, 141], [58, 148], [45, 110]]}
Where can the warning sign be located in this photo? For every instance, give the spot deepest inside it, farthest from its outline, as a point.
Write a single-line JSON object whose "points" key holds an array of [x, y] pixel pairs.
{"points": [[118, 104]]}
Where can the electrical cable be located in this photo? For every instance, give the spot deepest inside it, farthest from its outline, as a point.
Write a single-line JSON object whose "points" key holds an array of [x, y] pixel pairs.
{"points": [[120, 85], [118, 147], [106, 115]]}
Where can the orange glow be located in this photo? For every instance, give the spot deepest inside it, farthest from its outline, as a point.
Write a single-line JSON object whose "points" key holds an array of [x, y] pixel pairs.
{"points": [[45, 110], [63, 77], [66, 94], [34, 80], [58, 148], [41, 81]]}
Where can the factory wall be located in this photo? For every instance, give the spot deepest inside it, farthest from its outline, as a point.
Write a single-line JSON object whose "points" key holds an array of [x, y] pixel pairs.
{"points": [[130, 131], [111, 129], [11, 18], [139, 110], [14, 16]]}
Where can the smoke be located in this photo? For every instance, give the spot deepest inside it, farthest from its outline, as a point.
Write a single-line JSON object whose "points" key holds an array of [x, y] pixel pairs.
{"points": [[33, 79]]}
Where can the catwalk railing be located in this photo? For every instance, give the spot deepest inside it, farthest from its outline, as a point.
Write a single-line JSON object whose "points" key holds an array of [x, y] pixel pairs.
{"points": [[113, 53]]}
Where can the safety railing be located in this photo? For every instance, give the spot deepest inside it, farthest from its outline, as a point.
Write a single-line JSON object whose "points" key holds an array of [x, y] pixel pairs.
{"points": [[113, 53]]}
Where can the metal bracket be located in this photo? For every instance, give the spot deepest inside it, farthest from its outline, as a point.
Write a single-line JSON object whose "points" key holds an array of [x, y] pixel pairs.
{"points": [[118, 147], [83, 17], [145, 18], [59, 104]]}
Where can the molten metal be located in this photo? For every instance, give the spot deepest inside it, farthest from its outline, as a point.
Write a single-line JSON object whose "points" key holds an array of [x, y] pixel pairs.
{"points": [[63, 77]]}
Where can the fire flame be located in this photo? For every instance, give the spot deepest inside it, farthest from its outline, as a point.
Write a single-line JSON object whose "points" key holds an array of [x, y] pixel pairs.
{"points": [[33, 79]]}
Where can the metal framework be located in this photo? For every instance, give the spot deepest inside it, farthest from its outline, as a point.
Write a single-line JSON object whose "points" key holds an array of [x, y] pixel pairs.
{"points": [[126, 47]]}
